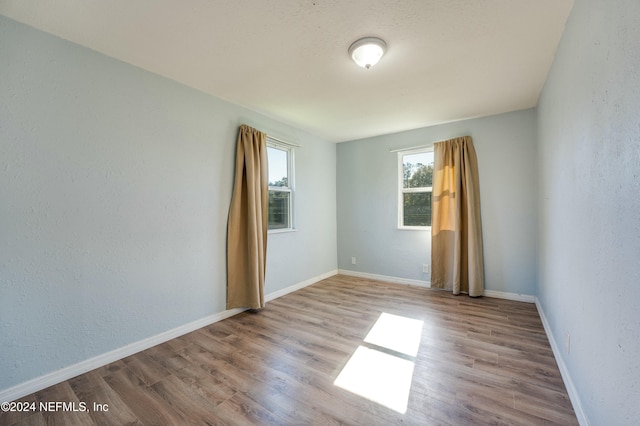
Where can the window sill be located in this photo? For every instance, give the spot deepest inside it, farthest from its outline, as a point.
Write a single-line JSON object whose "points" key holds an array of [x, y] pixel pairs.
{"points": [[281, 231], [414, 228]]}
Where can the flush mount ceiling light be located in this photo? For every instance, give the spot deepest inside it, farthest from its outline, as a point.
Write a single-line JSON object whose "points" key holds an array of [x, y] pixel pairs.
{"points": [[367, 51]]}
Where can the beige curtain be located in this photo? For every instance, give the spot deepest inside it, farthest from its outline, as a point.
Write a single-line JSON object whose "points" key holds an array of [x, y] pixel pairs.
{"points": [[247, 225], [456, 231]]}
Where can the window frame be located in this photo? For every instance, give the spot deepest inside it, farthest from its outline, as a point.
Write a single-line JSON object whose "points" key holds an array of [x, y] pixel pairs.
{"points": [[290, 188], [402, 190]]}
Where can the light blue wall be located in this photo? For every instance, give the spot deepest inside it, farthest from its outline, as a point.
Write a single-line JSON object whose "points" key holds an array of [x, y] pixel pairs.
{"points": [[589, 180], [368, 202], [115, 185]]}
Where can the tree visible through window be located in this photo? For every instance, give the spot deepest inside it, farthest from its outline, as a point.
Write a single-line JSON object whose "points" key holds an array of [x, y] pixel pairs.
{"points": [[416, 180], [280, 190]]}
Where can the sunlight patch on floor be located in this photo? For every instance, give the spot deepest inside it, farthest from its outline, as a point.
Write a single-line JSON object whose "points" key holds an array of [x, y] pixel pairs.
{"points": [[383, 377], [400, 334], [379, 377]]}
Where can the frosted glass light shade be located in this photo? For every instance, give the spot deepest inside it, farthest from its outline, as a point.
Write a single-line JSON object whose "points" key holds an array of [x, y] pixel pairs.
{"points": [[367, 51]]}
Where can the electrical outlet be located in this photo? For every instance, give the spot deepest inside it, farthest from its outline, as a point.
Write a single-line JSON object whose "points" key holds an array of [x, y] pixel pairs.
{"points": [[425, 268], [568, 342], [353, 260]]}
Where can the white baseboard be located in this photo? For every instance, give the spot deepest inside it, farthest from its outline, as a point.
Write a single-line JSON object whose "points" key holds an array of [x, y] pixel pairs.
{"points": [[377, 277], [489, 293], [66, 373], [564, 372], [510, 296]]}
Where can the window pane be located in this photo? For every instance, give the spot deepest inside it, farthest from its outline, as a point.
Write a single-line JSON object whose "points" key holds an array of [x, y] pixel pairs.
{"points": [[417, 209], [278, 170], [417, 170], [279, 209]]}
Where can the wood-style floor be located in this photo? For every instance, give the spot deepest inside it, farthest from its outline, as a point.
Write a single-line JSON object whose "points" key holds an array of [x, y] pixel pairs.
{"points": [[480, 361]]}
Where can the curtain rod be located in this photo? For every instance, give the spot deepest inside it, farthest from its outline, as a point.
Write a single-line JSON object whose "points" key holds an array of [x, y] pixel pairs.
{"points": [[410, 148], [283, 142]]}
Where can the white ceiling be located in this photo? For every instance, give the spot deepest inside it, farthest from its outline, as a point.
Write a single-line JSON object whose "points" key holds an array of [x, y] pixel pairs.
{"points": [[447, 59]]}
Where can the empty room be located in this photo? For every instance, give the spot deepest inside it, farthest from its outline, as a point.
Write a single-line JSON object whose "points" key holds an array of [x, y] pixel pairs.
{"points": [[421, 212]]}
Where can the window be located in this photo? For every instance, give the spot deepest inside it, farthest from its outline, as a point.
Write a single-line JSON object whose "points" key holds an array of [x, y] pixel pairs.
{"points": [[415, 170], [280, 187]]}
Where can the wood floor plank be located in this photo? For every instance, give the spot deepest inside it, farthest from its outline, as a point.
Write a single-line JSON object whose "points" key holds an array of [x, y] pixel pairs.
{"points": [[71, 412], [242, 410], [22, 417], [479, 361], [35, 419], [207, 385], [192, 405], [145, 404], [146, 368], [105, 405]]}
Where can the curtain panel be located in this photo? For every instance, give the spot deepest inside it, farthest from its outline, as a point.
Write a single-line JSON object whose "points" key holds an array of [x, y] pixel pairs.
{"points": [[247, 224], [456, 232]]}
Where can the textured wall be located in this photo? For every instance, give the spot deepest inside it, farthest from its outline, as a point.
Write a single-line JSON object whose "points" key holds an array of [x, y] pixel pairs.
{"points": [[589, 156], [115, 188], [368, 202]]}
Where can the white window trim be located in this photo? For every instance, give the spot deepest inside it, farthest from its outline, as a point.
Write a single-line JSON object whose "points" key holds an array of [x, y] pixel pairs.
{"points": [[290, 189], [402, 190]]}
